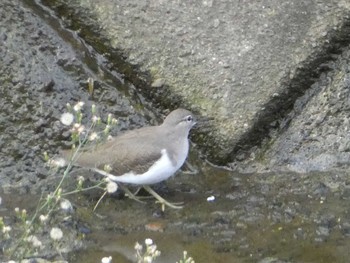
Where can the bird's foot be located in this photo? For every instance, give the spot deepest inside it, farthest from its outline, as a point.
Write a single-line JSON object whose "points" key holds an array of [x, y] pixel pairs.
{"points": [[130, 194], [161, 200]]}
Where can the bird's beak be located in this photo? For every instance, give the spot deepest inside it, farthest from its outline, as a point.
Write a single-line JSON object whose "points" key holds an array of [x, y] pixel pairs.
{"points": [[202, 122]]}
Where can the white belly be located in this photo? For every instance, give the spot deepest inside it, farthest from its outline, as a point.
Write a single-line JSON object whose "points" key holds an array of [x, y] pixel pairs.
{"points": [[159, 171]]}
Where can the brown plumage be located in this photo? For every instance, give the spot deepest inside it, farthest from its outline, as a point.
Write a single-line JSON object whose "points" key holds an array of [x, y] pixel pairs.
{"points": [[137, 150]]}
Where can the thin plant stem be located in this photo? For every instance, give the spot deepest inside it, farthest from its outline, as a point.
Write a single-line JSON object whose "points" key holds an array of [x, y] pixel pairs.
{"points": [[73, 158], [99, 200], [84, 189]]}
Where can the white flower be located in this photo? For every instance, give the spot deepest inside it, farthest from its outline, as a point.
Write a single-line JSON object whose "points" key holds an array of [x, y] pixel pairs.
{"points": [[107, 168], [111, 187], [114, 121], [81, 178], [43, 218], [35, 241], [93, 136], [138, 246], [56, 233], [78, 106], [148, 241], [152, 249], [24, 213], [6, 229], [95, 119], [211, 198], [67, 118], [106, 259], [58, 162], [66, 205], [78, 128]]}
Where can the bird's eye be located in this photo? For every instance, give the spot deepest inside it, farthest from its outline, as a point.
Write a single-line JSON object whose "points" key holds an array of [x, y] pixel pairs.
{"points": [[189, 118]]}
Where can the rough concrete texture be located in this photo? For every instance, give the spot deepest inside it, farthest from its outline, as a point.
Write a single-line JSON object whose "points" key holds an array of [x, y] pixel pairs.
{"points": [[42, 69], [39, 74], [315, 135], [241, 63]]}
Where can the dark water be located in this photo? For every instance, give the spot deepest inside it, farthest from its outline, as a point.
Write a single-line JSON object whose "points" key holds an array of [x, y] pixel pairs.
{"points": [[254, 218]]}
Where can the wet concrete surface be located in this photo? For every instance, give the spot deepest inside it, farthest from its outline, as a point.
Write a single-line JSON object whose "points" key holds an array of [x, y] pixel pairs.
{"points": [[253, 218], [42, 70], [291, 218]]}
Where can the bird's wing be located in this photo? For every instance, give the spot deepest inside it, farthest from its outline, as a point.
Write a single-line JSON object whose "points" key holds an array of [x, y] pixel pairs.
{"points": [[122, 153]]}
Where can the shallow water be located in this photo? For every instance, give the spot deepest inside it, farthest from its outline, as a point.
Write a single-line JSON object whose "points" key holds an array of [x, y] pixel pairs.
{"points": [[254, 218], [290, 217]]}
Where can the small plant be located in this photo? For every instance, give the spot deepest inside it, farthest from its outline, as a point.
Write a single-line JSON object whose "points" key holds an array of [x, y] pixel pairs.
{"points": [[186, 259], [25, 241], [147, 255], [150, 253], [106, 259]]}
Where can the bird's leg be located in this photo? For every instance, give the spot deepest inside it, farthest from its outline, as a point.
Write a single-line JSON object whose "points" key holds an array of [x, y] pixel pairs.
{"points": [[191, 169], [137, 190], [130, 194], [161, 199], [141, 197]]}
